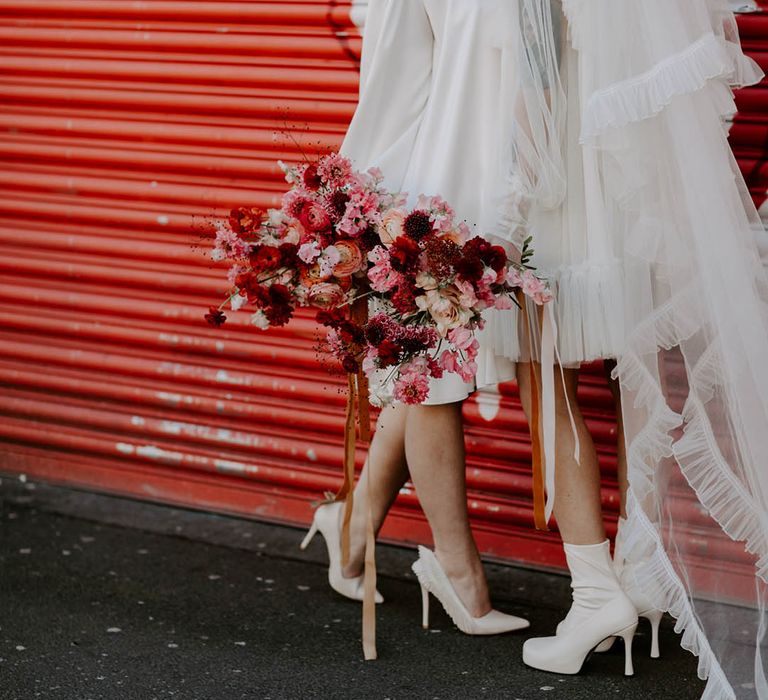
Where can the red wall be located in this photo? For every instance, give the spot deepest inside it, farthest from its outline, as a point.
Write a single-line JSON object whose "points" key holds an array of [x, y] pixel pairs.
{"points": [[124, 128]]}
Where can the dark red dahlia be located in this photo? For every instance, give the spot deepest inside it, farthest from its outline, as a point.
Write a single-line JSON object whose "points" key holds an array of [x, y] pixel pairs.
{"points": [[215, 317], [369, 238], [311, 179], [331, 318], [404, 254], [265, 257], [257, 294], [288, 254], [337, 204], [375, 332], [470, 268], [404, 299], [389, 353], [418, 225], [495, 257], [350, 364]]}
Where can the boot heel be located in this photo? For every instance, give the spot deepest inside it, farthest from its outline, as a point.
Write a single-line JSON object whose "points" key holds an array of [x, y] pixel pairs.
{"points": [[424, 608], [628, 634], [308, 538], [654, 617]]}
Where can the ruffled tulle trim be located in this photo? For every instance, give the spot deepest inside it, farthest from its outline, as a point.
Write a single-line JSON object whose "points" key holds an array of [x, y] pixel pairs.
{"points": [[588, 311], [653, 571], [646, 95], [660, 583], [716, 486]]}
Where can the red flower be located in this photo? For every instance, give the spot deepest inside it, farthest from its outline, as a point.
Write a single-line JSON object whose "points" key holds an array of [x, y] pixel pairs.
{"points": [[337, 204], [311, 179], [288, 255], [215, 317], [389, 354], [331, 318], [257, 294], [280, 309], [418, 225], [496, 258], [265, 257], [350, 364], [404, 299], [246, 219], [470, 268], [314, 217], [404, 254]]}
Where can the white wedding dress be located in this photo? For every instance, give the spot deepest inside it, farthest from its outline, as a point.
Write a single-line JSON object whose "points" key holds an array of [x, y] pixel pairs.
{"points": [[610, 151]]}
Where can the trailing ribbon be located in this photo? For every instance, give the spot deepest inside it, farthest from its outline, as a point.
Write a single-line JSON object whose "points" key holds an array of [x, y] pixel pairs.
{"points": [[543, 419], [358, 425], [538, 459]]}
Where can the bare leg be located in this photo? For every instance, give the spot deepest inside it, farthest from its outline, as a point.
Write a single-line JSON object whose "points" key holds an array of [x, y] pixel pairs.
{"points": [[578, 507], [621, 447], [434, 448], [389, 473]]}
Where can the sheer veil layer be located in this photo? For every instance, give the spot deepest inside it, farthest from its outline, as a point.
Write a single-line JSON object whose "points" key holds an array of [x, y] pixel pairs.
{"points": [[655, 81]]}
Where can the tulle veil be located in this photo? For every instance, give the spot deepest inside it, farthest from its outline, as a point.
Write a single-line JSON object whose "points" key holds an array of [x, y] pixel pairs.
{"points": [[655, 87]]}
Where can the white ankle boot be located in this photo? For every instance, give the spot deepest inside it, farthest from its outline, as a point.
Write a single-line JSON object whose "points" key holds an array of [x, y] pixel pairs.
{"points": [[600, 610], [328, 520], [435, 581], [625, 571]]}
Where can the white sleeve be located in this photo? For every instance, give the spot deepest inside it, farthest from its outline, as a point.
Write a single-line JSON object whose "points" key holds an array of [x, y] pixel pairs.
{"points": [[396, 73]]}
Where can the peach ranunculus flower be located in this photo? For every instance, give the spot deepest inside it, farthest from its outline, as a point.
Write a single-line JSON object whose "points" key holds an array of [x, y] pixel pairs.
{"points": [[350, 258], [449, 307], [391, 226]]}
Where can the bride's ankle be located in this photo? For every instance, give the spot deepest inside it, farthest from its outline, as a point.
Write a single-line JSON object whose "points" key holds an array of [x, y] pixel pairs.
{"points": [[467, 577]]}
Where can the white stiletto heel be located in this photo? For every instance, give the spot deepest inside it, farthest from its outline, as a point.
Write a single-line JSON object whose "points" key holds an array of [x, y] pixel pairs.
{"points": [[327, 521], [424, 608], [628, 635], [434, 580], [654, 617]]}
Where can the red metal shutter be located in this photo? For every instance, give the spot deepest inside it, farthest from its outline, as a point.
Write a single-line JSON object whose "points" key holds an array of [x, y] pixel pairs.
{"points": [[125, 127]]}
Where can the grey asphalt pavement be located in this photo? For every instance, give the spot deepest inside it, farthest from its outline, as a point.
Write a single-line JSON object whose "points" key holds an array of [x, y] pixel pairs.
{"points": [[109, 598]]}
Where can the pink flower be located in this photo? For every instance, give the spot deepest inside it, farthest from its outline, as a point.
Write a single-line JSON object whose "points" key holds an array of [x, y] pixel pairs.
{"points": [[450, 307], [503, 303], [536, 288], [228, 245], [309, 252], [391, 226], [328, 260], [335, 170], [450, 361], [411, 388], [513, 278], [382, 277], [461, 338], [468, 370]]}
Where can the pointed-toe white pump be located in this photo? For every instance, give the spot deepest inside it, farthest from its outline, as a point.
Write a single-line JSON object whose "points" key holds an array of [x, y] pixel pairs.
{"points": [[328, 521], [434, 580]]}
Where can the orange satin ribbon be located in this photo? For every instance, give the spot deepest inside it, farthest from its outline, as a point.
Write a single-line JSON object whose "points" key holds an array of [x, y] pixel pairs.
{"points": [[358, 425], [537, 450]]}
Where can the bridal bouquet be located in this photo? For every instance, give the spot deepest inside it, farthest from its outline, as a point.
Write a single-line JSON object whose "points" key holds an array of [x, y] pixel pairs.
{"points": [[342, 244]]}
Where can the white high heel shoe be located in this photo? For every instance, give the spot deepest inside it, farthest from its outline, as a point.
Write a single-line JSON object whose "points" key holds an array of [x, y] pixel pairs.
{"points": [[434, 580], [600, 610], [328, 520], [625, 572]]}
